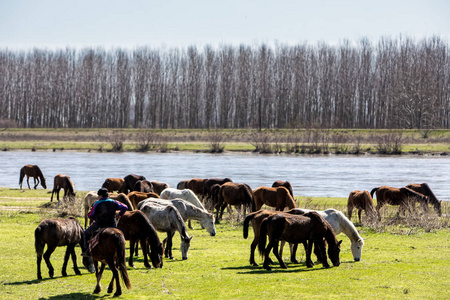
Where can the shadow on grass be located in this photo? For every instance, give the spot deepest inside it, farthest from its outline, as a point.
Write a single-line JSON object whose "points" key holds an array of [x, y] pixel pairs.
{"points": [[35, 281]]}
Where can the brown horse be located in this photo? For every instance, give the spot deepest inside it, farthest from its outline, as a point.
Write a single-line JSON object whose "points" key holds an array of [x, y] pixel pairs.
{"points": [[91, 197], [114, 184], [278, 197], [286, 184], [197, 186], [32, 171], [236, 194], [136, 227], [110, 251], [404, 197], [136, 197], [143, 186], [57, 233], [63, 182], [158, 187], [310, 227], [424, 189], [130, 182], [361, 200]]}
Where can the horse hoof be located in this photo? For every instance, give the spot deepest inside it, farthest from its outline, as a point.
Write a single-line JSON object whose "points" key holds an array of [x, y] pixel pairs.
{"points": [[117, 294], [77, 272], [294, 261], [39, 277], [109, 291], [97, 290]]}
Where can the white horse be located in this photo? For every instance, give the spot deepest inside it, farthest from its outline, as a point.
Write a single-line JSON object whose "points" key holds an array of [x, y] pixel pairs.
{"points": [[340, 223], [189, 211], [167, 219]]}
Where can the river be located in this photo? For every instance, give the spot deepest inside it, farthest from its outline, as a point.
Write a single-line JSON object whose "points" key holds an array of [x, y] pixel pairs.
{"points": [[310, 175]]}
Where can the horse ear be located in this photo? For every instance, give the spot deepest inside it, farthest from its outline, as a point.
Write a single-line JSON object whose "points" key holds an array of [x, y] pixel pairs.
{"points": [[191, 238], [339, 243]]}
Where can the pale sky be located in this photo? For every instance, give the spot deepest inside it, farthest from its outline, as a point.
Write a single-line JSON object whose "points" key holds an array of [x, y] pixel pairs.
{"points": [[25, 24]]}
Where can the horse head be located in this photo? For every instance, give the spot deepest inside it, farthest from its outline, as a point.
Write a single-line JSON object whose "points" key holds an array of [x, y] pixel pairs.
{"points": [[43, 182], [208, 222], [333, 253], [156, 256], [185, 245], [356, 248]]}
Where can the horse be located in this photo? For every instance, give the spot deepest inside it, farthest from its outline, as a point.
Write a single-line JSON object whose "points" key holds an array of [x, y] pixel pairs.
{"points": [[197, 186], [114, 184], [236, 194], [361, 200], [286, 184], [212, 181], [404, 197], [143, 186], [340, 224], [310, 227], [185, 194], [278, 197], [135, 197], [182, 184], [136, 227], [63, 182], [110, 250], [130, 181], [158, 187], [167, 219], [57, 233], [91, 197], [424, 189], [189, 211], [32, 171]]}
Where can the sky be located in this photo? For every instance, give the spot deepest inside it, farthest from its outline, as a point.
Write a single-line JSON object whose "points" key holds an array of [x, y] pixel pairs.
{"points": [[53, 24]]}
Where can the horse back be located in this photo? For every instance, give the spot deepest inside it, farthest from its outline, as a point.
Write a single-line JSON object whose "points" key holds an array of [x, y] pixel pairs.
{"points": [[60, 232]]}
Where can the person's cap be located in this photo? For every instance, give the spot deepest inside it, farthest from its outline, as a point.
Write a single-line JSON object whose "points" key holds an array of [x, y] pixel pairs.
{"points": [[102, 192]]}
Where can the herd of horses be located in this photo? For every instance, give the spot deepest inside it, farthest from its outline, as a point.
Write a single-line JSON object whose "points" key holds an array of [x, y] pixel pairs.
{"points": [[154, 207]]}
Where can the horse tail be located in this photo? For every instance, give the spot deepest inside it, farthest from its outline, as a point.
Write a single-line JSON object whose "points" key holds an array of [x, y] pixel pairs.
{"points": [[121, 259], [247, 220], [263, 236], [249, 195], [22, 174], [373, 191], [38, 245], [70, 185]]}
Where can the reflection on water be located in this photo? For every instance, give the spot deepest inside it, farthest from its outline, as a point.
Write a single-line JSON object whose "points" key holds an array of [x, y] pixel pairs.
{"points": [[327, 176]]}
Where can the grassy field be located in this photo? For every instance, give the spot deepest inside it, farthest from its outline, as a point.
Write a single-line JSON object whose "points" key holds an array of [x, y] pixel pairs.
{"points": [[266, 141], [399, 260]]}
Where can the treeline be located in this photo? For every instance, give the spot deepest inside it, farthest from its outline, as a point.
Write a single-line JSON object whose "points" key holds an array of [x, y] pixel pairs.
{"points": [[393, 83]]}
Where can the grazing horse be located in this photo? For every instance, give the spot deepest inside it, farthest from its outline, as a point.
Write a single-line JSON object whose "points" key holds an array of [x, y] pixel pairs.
{"points": [[91, 197], [340, 224], [114, 184], [404, 197], [236, 194], [361, 200], [143, 186], [167, 219], [197, 186], [32, 171], [110, 250], [57, 233], [424, 189], [278, 197], [130, 182], [136, 227], [158, 187], [286, 184], [310, 227], [136, 197], [188, 211], [185, 194], [63, 182]]}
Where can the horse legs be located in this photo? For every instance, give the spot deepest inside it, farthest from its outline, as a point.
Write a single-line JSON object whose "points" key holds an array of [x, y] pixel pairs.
{"points": [[28, 182], [36, 180], [145, 252], [252, 250], [277, 255], [70, 251], [266, 256], [130, 259], [168, 249], [112, 266], [321, 245], [309, 262], [378, 207], [359, 215], [47, 254], [98, 274]]}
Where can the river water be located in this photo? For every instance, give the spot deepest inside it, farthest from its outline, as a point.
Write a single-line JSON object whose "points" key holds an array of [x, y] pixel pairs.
{"points": [[310, 175]]}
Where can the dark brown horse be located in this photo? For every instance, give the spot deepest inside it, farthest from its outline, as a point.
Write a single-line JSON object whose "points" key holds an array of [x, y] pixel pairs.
{"points": [[57, 233], [278, 197], [114, 184], [32, 171], [424, 189], [310, 227], [136, 227], [361, 200], [136, 197], [235, 194], [404, 197], [130, 182], [143, 186], [63, 182], [286, 184], [110, 251], [158, 187]]}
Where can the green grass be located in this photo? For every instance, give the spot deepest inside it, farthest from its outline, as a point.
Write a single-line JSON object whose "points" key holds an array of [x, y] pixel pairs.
{"points": [[394, 265]]}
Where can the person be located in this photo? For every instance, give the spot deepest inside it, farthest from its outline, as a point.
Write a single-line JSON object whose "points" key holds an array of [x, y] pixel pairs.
{"points": [[103, 214]]}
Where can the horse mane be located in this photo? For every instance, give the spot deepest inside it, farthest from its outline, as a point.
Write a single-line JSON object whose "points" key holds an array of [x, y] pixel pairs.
{"points": [[420, 196], [124, 199], [70, 185], [180, 222], [349, 228], [149, 230], [431, 197], [368, 203]]}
